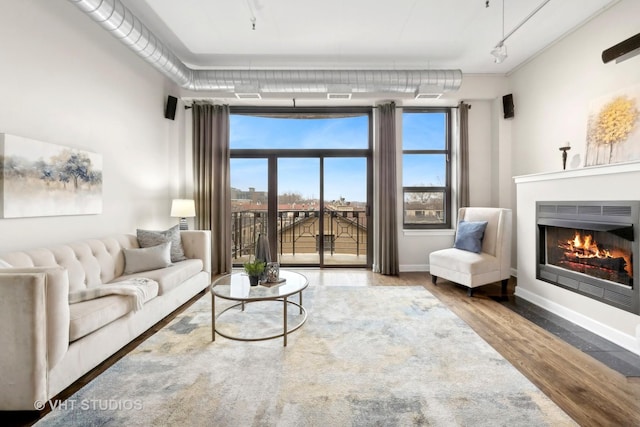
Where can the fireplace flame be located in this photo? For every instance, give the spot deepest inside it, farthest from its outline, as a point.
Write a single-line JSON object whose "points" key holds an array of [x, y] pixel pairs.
{"points": [[586, 247]]}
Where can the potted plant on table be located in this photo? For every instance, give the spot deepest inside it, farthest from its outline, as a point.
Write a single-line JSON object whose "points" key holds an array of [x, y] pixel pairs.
{"points": [[254, 270]]}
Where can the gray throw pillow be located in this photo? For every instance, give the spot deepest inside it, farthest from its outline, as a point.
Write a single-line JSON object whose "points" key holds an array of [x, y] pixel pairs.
{"points": [[145, 259], [4, 264], [147, 238], [469, 235]]}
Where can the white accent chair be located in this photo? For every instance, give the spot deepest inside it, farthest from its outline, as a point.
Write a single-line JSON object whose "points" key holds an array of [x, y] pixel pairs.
{"points": [[472, 269]]}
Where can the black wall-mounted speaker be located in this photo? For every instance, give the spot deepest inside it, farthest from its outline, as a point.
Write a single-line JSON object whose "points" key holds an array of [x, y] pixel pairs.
{"points": [[623, 50], [507, 106], [170, 108]]}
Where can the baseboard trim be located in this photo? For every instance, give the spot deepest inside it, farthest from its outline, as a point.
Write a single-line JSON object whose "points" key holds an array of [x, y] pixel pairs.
{"points": [[628, 342], [404, 268]]}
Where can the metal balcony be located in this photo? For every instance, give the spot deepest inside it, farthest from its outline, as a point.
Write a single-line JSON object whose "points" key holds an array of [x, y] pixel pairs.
{"points": [[345, 235]]}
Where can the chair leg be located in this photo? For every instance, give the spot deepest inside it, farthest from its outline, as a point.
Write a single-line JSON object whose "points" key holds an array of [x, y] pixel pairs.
{"points": [[433, 279], [470, 292], [504, 286]]}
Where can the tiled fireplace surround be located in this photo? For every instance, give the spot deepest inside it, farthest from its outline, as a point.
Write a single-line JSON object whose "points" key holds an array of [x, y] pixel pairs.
{"points": [[618, 182]]}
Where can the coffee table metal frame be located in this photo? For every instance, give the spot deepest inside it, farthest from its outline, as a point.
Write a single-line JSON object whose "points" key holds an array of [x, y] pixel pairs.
{"points": [[295, 284]]}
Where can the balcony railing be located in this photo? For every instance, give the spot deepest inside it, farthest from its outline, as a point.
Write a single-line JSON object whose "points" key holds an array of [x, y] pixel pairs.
{"points": [[345, 232]]}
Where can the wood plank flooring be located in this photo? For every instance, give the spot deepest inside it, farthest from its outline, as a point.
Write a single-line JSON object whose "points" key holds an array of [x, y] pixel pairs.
{"points": [[587, 390]]}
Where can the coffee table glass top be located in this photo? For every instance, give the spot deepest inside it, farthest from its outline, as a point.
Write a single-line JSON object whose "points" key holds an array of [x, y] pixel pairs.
{"points": [[236, 286]]}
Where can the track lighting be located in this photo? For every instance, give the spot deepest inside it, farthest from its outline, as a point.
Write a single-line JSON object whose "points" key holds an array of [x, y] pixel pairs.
{"points": [[499, 52]]}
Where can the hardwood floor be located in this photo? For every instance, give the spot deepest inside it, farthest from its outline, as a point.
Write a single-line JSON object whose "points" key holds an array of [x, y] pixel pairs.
{"points": [[587, 390]]}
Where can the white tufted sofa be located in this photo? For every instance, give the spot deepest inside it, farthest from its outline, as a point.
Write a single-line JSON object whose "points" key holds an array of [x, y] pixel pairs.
{"points": [[47, 343]]}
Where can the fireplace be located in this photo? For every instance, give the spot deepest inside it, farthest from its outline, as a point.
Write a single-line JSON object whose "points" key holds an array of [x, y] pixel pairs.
{"points": [[591, 248]]}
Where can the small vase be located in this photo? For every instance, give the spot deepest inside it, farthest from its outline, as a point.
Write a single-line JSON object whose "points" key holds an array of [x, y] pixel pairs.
{"points": [[253, 280], [272, 272]]}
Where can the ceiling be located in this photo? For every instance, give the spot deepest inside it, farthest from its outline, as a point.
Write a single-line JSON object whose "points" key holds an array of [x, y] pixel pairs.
{"points": [[359, 34]]}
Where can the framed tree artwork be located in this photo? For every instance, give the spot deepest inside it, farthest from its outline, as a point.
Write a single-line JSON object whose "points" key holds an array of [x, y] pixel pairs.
{"points": [[613, 129], [43, 179]]}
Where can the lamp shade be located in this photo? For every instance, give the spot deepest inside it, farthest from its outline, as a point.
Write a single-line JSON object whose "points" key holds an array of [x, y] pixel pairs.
{"points": [[183, 208]]}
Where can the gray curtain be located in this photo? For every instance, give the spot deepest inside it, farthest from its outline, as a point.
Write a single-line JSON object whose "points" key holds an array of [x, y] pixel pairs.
{"points": [[386, 224], [463, 187], [211, 180]]}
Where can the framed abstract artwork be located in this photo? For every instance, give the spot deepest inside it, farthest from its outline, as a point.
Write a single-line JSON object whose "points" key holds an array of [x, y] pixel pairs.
{"points": [[613, 128], [43, 179]]}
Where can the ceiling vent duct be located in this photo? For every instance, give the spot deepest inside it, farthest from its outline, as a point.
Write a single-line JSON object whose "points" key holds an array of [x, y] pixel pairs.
{"points": [[339, 96], [428, 92], [244, 95], [339, 92], [247, 92], [122, 24], [428, 95]]}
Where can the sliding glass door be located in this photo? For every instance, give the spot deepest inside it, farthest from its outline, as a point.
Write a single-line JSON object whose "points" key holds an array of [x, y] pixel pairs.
{"points": [[249, 202], [308, 193], [299, 211], [345, 211]]}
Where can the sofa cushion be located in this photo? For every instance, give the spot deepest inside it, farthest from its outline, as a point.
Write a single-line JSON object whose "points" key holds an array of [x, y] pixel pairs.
{"points": [[144, 259], [171, 277], [88, 316], [147, 238], [91, 315], [464, 261]]}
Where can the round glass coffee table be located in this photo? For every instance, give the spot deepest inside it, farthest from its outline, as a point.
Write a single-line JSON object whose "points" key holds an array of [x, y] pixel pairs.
{"points": [[236, 287]]}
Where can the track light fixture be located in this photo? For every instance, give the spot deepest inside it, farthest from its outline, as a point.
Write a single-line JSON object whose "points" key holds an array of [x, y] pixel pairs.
{"points": [[499, 52]]}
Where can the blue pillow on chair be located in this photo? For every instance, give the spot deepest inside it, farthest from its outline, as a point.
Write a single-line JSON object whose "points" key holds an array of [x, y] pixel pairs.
{"points": [[469, 235]]}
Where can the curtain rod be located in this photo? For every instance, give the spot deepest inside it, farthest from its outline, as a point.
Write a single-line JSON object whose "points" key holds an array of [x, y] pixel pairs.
{"points": [[188, 107]]}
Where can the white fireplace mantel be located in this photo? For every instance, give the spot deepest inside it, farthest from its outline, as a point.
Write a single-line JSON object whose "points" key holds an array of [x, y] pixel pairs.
{"points": [[577, 173], [596, 183]]}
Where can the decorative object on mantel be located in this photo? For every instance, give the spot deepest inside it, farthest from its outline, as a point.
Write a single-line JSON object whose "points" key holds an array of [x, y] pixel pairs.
{"points": [[183, 209], [564, 148], [613, 129], [43, 179]]}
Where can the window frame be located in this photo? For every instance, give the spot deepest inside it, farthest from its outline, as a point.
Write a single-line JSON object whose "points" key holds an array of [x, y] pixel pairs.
{"points": [[272, 155], [447, 188]]}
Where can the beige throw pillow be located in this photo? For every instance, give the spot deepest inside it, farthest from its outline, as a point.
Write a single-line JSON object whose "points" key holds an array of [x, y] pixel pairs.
{"points": [[145, 259], [148, 238]]}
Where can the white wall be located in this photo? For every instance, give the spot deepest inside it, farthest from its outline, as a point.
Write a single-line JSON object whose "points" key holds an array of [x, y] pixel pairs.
{"points": [[65, 80], [552, 92], [551, 96]]}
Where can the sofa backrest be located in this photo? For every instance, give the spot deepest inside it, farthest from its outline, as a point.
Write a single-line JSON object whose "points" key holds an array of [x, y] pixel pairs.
{"points": [[89, 262]]}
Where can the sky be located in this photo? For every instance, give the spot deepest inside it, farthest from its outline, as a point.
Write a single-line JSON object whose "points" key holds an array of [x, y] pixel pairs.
{"points": [[344, 177]]}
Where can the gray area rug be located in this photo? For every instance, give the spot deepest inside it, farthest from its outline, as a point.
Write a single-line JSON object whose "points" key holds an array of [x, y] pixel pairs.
{"points": [[367, 356]]}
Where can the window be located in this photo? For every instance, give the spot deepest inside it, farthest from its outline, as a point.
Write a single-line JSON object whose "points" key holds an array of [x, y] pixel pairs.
{"points": [[426, 169], [302, 177]]}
